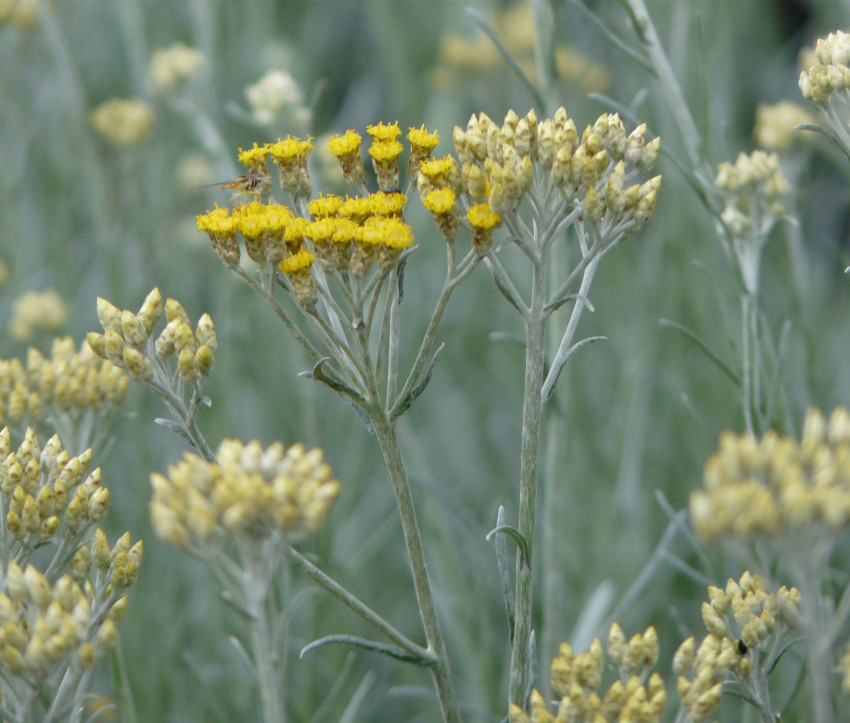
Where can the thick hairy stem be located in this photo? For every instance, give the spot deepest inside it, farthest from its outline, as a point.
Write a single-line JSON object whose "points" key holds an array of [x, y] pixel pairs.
{"points": [[531, 413], [441, 671]]}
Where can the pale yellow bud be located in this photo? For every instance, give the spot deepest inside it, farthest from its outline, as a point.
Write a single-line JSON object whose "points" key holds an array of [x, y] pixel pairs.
{"points": [[151, 311], [137, 364], [174, 310], [107, 636], [204, 359], [109, 316], [100, 550], [205, 332], [187, 368], [97, 343], [132, 329]]}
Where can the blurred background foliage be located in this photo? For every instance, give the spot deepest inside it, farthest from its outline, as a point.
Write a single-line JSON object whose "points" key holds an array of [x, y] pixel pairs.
{"points": [[636, 414]]}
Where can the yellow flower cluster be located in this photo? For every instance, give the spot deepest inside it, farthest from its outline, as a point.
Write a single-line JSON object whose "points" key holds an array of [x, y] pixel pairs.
{"points": [[774, 127], [345, 233], [774, 485], [36, 311], [743, 621], [69, 381], [501, 163], [123, 122], [46, 627], [128, 341], [576, 679], [46, 491], [830, 72], [250, 492]]}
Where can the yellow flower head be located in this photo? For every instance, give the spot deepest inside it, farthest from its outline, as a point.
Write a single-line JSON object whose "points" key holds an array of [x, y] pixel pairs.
{"points": [[392, 233], [422, 142], [482, 217], [346, 145], [358, 209], [386, 152], [324, 206], [441, 172], [254, 158], [277, 218], [382, 133], [387, 204], [291, 151], [296, 263], [295, 232], [440, 201], [346, 231], [322, 231], [217, 221]]}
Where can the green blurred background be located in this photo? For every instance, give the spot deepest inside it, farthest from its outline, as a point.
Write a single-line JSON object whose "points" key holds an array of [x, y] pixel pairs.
{"points": [[636, 414]]}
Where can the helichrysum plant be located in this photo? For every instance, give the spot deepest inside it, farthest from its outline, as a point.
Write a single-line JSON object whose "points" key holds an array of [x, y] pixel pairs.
{"points": [[341, 260], [781, 503], [57, 613], [238, 515]]}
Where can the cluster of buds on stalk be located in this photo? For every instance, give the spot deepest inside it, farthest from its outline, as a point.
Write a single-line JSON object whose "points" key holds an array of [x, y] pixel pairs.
{"points": [[249, 492], [129, 343], [747, 628], [592, 175], [829, 76], [577, 678], [72, 382], [54, 624], [47, 494], [768, 488], [52, 632], [754, 191]]}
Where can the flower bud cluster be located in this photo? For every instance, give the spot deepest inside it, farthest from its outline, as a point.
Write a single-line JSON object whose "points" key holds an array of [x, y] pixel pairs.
{"points": [[70, 381], [48, 493], [774, 127], [274, 95], [830, 72], [743, 621], [754, 189], [251, 493], [576, 679], [45, 628], [173, 65], [128, 341], [123, 122], [764, 488], [501, 164], [37, 311]]}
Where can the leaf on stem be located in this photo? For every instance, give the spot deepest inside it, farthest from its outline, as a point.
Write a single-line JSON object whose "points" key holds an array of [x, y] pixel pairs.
{"points": [[504, 573], [402, 264], [517, 537], [404, 404], [175, 427], [555, 373], [558, 303], [390, 650], [703, 346], [825, 132]]}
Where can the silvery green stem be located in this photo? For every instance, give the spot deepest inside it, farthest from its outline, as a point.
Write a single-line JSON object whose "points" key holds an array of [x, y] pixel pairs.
{"points": [[385, 432], [531, 413], [265, 657]]}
